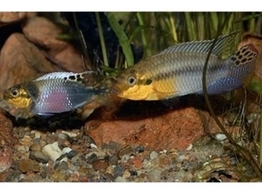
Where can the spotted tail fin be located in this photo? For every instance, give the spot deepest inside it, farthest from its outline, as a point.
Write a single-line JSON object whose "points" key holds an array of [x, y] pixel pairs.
{"points": [[244, 61], [241, 67]]}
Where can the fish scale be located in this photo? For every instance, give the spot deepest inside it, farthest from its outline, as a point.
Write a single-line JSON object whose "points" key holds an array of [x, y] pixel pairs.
{"points": [[60, 95]]}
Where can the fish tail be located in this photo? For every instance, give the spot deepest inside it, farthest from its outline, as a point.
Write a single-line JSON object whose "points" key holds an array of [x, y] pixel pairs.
{"points": [[244, 61], [240, 67]]}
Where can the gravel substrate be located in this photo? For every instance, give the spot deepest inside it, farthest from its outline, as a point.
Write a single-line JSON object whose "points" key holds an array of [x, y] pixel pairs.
{"points": [[71, 156]]}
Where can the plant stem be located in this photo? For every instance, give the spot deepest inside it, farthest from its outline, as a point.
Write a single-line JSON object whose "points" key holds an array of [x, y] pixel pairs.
{"points": [[190, 28], [143, 35], [102, 40]]}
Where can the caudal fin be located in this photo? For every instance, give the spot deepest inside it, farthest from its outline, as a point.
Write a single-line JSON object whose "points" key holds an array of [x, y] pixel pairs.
{"points": [[241, 69], [244, 61]]}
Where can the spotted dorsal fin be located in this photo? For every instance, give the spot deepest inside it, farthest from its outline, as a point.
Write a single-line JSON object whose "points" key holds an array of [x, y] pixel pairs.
{"points": [[64, 75], [88, 78], [222, 43]]}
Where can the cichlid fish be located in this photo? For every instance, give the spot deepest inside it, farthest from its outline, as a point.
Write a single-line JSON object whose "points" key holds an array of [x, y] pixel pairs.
{"points": [[177, 71], [52, 93]]}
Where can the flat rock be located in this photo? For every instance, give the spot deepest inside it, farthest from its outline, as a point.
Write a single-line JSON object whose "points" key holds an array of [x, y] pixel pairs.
{"points": [[158, 127]]}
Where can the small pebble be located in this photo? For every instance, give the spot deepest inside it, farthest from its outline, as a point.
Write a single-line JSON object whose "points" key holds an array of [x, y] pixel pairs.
{"points": [[71, 134], [127, 150], [110, 169], [154, 175], [220, 136], [118, 171], [63, 166], [90, 158], [163, 161], [38, 156], [126, 174], [153, 155], [100, 165], [52, 151], [66, 150], [120, 179], [36, 147], [27, 165], [140, 149], [113, 160], [71, 154]]}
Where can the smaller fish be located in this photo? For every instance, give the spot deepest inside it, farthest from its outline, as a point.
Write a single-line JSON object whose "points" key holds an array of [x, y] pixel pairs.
{"points": [[52, 93]]}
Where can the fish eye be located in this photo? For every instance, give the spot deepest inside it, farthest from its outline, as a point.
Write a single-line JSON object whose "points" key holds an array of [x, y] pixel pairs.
{"points": [[14, 92], [131, 80]]}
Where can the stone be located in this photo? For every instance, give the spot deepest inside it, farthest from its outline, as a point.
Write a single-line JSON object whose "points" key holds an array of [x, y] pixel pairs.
{"points": [[120, 179], [157, 126], [6, 158], [100, 164], [11, 17], [26, 165], [173, 129], [45, 33], [52, 151], [7, 142], [154, 175], [125, 151], [153, 155], [20, 61], [38, 156]]}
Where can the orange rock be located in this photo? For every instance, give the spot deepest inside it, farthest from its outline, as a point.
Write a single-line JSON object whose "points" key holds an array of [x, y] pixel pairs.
{"points": [[45, 33], [6, 143], [10, 17], [176, 128], [137, 161], [20, 61]]}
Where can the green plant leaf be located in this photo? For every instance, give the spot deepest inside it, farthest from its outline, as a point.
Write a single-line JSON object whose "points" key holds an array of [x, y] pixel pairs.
{"points": [[122, 38]]}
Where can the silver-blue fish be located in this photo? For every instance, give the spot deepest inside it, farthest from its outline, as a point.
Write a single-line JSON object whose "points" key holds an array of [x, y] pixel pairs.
{"points": [[53, 93]]}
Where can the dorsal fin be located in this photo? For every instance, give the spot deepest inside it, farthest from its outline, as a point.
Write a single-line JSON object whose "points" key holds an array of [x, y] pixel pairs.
{"points": [[221, 45], [77, 77]]}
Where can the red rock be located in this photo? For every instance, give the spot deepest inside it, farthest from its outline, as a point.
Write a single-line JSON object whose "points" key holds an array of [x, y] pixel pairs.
{"points": [[137, 161], [20, 61], [175, 128], [155, 126], [45, 33], [6, 143]]}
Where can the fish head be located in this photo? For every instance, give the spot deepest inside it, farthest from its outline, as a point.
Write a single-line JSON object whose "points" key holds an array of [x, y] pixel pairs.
{"points": [[134, 85], [18, 96]]}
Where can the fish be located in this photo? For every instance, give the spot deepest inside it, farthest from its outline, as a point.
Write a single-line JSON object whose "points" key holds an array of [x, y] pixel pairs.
{"points": [[52, 93], [177, 71]]}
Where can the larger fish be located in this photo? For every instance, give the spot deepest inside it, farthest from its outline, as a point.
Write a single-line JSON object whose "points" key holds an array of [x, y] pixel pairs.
{"points": [[52, 93], [177, 71]]}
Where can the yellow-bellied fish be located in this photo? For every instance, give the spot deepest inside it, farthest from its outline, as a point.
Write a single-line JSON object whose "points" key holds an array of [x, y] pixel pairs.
{"points": [[52, 93], [177, 71]]}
